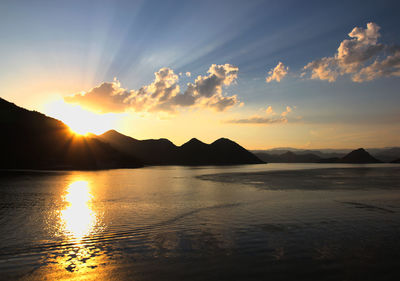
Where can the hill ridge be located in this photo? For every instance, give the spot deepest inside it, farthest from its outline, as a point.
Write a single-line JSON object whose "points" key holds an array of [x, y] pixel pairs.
{"points": [[222, 151]]}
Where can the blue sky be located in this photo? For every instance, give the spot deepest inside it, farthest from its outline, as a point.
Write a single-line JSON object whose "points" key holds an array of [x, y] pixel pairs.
{"points": [[53, 49]]}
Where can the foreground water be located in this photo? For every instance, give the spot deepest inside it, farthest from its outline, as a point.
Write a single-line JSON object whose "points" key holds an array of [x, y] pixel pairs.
{"points": [[274, 221]]}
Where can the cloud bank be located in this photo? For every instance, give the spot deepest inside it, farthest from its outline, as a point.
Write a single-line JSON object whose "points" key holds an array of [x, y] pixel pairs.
{"points": [[277, 73], [164, 93], [353, 56], [269, 118]]}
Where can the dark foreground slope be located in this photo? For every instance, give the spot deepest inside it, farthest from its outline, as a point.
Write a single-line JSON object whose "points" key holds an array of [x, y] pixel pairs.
{"points": [[194, 152], [31, 140]]}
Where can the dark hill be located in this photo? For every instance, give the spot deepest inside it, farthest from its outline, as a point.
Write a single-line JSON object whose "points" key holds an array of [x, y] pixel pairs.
{"points": [[193, 152], [31, 140], [150, 152], [226, 151], [359, 156]]}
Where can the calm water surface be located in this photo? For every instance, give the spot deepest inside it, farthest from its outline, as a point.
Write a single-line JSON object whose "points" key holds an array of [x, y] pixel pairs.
{"points": [[274, 221]]}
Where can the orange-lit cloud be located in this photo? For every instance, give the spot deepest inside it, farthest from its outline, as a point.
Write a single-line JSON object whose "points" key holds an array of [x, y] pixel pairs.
{"points": [[354, 54], [287, 111], [323, 69], [108, 97], [164, 93], [269, 110], [277, 73], [265, 119]]}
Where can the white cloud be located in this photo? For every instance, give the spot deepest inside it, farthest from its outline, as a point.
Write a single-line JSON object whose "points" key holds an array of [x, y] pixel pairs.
{"points": [[352, 58], [277, 73], [164, 93]]}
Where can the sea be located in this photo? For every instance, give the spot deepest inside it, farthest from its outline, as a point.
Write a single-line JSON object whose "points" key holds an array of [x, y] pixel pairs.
{"points": [[248, 222]]}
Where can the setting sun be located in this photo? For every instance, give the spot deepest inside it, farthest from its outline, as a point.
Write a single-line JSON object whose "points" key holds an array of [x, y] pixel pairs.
{"points": [[79, 120]]}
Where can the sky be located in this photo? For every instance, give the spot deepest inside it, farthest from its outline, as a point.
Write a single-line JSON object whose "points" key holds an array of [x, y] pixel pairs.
{"points": [[304, 74]]}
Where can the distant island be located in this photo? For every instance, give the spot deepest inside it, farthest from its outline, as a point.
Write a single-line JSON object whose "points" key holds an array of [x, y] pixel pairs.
{"points": [[358, 156], [32, 140]]}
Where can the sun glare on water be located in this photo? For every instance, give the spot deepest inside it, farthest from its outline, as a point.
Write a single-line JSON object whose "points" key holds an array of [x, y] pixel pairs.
{"points": [[78, 219], [81, 121]]}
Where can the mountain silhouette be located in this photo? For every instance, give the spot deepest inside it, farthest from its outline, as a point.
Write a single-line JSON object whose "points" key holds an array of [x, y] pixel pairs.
{"points": [[359, 156], [289, 157], [388, 155], [32, 140], [150, 152], [194, 152]]}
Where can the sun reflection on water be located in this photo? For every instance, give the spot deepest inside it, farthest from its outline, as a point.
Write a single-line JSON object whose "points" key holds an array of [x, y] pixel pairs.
{"points": [[80, 256], [78, 219]]}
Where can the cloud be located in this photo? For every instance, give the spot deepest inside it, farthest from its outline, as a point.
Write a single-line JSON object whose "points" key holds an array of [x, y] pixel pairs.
{"points": [[109, 96], [323, 69], [219, 75], [287, 111], [269, 110], [257, 120], [164, 93], [352, 53], [352, 57], [221, 103], [278, 73], [390, 66], [264, 120]]}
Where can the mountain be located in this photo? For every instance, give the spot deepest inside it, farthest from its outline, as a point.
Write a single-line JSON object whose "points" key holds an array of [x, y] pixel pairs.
{"points": [[289, 157], [388, 155], [326, 153], [151, 152], [385, 154], [355, 156], [194, 152], [32, 140], [359, 156], [224, 151]]}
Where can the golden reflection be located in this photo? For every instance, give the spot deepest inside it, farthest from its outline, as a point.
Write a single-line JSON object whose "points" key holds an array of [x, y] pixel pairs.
{"points": [[78, 218], [80, 257]]}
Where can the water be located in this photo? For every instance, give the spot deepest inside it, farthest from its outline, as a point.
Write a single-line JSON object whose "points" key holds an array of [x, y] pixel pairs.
{"points": [[274, 221]]}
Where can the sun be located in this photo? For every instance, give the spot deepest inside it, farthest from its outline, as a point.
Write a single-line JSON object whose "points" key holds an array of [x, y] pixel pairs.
{"points": [[82, 132], [81, 121]]}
